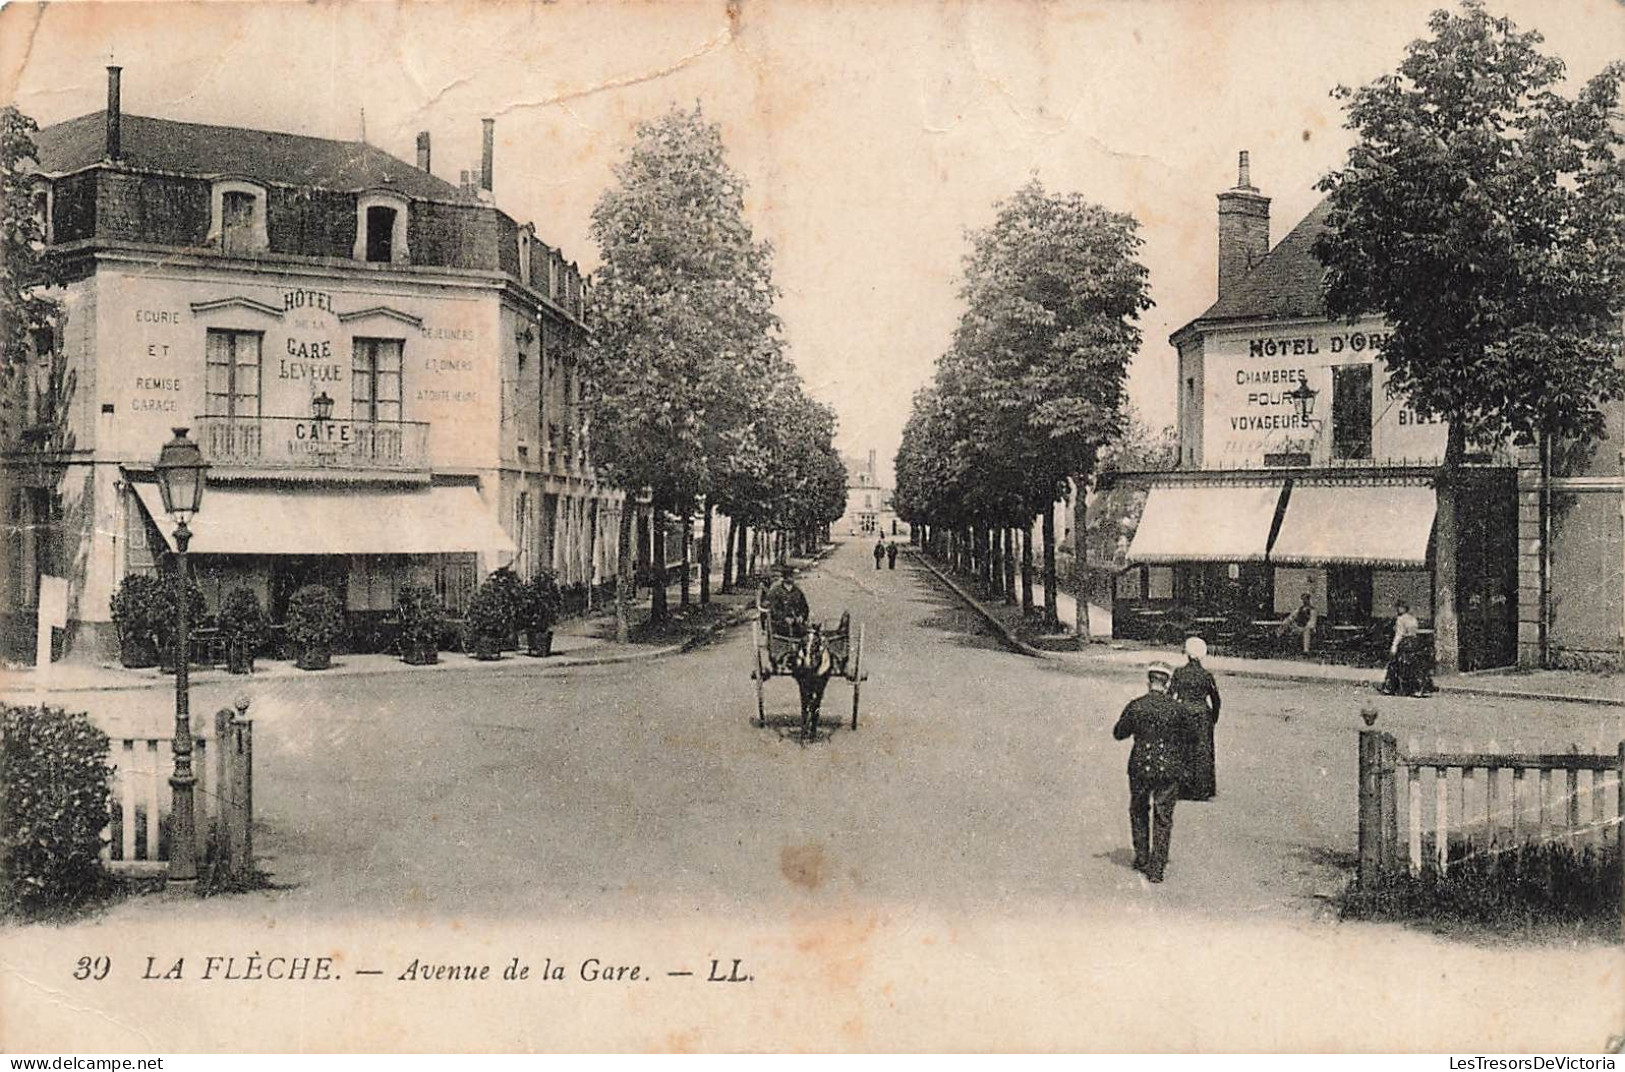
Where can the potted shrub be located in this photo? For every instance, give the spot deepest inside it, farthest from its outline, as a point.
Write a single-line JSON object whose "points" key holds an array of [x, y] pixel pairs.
{"points": [[541, 606], [490, 620], [315, 620], [513, 593], [166, 611], [422, 622], [136, 606], [242, 625]]}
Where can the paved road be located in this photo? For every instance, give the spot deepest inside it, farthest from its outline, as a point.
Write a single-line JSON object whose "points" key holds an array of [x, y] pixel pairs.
{"points": [[981, 803]]}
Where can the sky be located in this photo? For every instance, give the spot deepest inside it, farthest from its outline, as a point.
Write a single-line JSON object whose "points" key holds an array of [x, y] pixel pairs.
{"points": [[872, 134]]}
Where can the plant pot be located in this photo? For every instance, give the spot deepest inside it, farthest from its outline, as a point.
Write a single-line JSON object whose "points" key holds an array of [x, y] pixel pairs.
{"points": [[487, 647], [138, 652], [314, 657], [239, 658], [541, 642], [421, 655]]}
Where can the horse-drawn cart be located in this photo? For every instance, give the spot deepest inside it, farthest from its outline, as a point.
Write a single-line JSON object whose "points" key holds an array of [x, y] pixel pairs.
{"points": [[811, 657]]}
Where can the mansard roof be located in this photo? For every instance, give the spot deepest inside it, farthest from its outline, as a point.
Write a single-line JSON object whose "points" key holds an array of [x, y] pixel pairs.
{"points": [[265, 156]]}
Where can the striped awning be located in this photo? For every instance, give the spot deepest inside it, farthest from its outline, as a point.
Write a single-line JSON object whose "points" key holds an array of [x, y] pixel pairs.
{"points": [[1381, 525], [1207, 523], [337, 521]]}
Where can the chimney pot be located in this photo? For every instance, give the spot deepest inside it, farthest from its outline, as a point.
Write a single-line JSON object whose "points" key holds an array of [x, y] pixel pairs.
{"points": [[114, 114], [423, 150], [487, 151], [1243, 173]]}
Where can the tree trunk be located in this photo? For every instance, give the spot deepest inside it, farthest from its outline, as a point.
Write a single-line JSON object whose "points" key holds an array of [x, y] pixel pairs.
{"points": [[623, 574], [705, 556], [728, 556], [1052, 603], [657, 563], [1080, 561], [984, 542], [683, 598], [1446, 625], [1027, 569], [1009, 565]]}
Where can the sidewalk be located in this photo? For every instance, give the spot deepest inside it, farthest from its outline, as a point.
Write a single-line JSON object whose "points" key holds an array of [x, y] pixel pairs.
{"points": [[1563, 686], [585, 641]]}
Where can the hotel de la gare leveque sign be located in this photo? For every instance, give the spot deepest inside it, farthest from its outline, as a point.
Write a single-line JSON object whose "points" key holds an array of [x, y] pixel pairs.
{"points": [[1248, 405]]}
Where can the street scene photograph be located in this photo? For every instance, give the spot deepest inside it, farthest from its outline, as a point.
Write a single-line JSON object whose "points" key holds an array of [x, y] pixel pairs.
{"points": [[812, 527]]}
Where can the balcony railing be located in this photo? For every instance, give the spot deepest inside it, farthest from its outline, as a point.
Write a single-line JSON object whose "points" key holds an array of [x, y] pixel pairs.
{"points": [[273, 443]]}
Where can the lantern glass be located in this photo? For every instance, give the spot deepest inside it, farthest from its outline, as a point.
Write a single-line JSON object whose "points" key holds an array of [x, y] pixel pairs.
{"points": [[1303, 397], [322, 406], [181, 469]]}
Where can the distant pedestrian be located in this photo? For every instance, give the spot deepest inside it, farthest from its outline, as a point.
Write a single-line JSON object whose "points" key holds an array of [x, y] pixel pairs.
{"points": [[880, 551], [1194, 687], [1409, 672], [891, 555], [1160, 726], [1301, 621]]}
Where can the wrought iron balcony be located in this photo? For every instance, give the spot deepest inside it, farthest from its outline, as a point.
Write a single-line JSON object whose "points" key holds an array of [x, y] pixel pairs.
{"points": [[304, 443]]}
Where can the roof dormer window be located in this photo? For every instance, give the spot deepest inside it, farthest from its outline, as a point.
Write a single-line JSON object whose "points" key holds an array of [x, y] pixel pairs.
{"points": [[381, 229], [237, 217]]}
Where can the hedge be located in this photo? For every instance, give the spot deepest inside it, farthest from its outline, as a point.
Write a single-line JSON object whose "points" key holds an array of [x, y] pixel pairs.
{"points": [[53, 767]]}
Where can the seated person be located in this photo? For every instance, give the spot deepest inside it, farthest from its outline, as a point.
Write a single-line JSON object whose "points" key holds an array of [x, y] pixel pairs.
{"points": [[1301, 622], [786, 605]]}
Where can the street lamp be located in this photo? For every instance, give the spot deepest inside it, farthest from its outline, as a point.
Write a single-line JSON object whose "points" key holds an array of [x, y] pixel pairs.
{"points": [[321, 407], [1303, 400], [181, 470]]}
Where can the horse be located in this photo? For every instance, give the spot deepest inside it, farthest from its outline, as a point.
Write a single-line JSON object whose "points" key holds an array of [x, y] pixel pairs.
{"points": [[811, 666]]}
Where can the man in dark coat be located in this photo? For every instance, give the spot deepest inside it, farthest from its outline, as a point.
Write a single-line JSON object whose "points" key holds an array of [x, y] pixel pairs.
{"points": [[1160, 726], [891, 555], [880, 551], [1194, 687]]}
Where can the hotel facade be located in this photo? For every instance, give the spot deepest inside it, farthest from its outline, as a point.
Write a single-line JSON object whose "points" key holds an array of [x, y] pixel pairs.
{"points": [[1299, 474], [379, 366]]}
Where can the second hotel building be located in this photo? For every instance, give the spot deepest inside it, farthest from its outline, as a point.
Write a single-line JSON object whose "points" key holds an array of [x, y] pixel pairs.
{"points": [[379, 366]]}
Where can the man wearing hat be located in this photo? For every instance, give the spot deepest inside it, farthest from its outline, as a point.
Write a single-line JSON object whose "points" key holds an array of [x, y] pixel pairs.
{"points": [[1194, 687], [1160, 726], [786, 605]]}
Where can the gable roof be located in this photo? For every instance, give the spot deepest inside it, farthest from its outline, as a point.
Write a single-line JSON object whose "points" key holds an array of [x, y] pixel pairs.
{"points": [[1286, 283], [263, 155]]}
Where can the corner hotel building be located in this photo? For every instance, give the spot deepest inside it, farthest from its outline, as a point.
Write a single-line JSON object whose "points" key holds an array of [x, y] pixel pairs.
{"points": [[377, 364]]}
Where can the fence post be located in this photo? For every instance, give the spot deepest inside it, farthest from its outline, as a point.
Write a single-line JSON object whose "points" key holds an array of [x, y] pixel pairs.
{"points": [[1389, 768], [241, 827], [219, 839], [1370, 808]]}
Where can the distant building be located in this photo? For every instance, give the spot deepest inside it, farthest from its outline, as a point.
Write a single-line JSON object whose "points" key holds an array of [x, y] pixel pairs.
{"points": [[868, 505], [378, 365]]}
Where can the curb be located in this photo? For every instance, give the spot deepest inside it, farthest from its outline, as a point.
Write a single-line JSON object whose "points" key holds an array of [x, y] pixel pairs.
{"points": [[1015, 644]]}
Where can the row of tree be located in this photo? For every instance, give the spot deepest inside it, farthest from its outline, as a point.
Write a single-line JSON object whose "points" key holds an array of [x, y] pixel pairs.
{"points": [[693, 400], [1031, 392]]}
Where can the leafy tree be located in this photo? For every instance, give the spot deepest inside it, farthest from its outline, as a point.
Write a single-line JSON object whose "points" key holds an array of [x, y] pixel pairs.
{"points": [[1482, 213], [684, 323], [1035, 379], [23, 267], [1114, 512]]}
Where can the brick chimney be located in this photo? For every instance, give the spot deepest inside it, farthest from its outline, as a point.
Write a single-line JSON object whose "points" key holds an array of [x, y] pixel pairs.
{"points": [[423, 150], [113, 113], [487, 150], [1244, 228]]}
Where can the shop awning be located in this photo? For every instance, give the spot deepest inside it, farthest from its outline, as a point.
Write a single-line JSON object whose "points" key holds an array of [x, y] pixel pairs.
{"points": [[1207, 523], [1356, 526], [348, 521]]}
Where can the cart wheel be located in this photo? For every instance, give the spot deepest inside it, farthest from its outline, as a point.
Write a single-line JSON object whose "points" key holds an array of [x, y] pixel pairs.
{"points": [[757, 675], [857, 676]]}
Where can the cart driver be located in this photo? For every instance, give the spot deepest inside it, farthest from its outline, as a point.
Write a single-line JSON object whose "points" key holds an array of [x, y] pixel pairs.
{"points": [[786, 604]]}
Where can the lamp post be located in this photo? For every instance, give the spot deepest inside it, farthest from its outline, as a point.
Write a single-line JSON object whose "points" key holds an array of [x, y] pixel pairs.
{"points": [[181, 469]]}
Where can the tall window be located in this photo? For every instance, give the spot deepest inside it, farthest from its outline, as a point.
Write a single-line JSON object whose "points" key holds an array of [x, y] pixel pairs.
{"points": [[380, 234], [375, 380], [237, 231], [232, 380], [1351, 411]]}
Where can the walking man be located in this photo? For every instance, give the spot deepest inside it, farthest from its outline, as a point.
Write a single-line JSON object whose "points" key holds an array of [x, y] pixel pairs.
{"points": [[1160, 726], [880, 551], [891, 555]]}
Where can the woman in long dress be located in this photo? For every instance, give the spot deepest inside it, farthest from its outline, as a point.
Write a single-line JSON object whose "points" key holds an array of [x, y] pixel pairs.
{"points": [[1194, 687]]}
